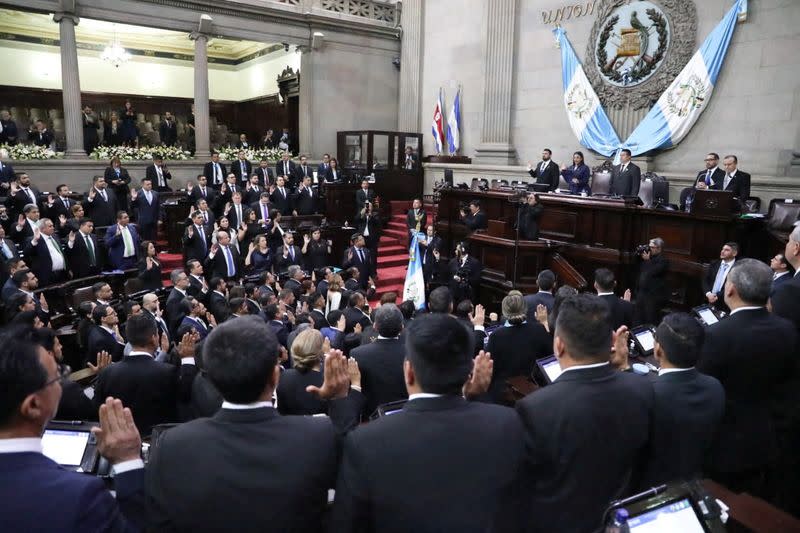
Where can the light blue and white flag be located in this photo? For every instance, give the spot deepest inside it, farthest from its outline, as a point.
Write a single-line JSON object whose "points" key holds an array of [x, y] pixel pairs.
{"points": [[587, 118], [679, 107], [454, 125], [414, 288]]}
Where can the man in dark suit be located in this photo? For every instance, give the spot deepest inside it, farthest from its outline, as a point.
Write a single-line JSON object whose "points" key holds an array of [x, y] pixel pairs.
{"points": [[735, 180], [45, 256], [688, 405], [21, 194], [123, 243], [90, 126], [465, 274], [620, 310], [354, 312], [40, 135], [358, 256], [8, 129], [195, 316], [26, 225], [713, 176], [158, 174], [83, 253], [6, 171], [786, 299], [148, 210], [197, 238], [281, 197], [364, 195], [753, 353], [285, 168], [245, 441], [654, 291], [411, 455], [105, 335], [215, 172], [60, 205], [253, 190], [546, 171], [266, 176], [305, 200], [241, 168], [100, 203], [288, 254], [545, 281], [301, 171], [368, 224], [223, 259], [572, 476], [36, 493], [168, 130], [416, 218], [625, 177], [152, 390], [201, 191], [198, 286], [8, 251], [475, 219], [714, 279], [430, 249], [381, 362], [322, 168], [781, 269], [218, 299], [173, 309]]}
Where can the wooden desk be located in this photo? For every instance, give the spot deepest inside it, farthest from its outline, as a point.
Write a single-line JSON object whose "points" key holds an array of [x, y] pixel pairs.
{"points": [[603, 232], [748, 513]]}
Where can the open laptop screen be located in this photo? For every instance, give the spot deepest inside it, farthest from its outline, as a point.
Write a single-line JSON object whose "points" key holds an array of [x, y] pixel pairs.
{"points": [[65, 447]]}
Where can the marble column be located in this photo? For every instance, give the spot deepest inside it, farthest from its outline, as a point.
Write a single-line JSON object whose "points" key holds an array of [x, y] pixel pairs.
{"points": [[495, 146], [410, 66], [70, 85], [305, 113], [201, 110]]}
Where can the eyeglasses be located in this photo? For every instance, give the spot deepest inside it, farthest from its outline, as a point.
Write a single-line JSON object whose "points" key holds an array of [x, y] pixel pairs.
{"points": [[709, 159], [48, 383]]}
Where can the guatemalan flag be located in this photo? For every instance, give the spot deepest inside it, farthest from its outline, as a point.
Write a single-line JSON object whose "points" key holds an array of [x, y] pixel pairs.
{"points": [[679, 107], [414, 288], [438, 125], [454, 125], [587, 118]]}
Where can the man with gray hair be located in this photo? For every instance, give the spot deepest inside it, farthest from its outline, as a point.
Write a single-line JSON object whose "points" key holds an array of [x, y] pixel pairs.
{"points": [[381, 362], [44, 254], [224, 260], [653, 293], [174, 311], [752, 353], [295, 281]]}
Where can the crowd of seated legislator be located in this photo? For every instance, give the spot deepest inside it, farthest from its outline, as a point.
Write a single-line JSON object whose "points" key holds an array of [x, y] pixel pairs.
{"points": [[259, 336]]}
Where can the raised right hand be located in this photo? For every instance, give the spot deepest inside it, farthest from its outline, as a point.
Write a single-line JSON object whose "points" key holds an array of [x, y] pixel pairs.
{"points": [[190, 231], [118, 440]]}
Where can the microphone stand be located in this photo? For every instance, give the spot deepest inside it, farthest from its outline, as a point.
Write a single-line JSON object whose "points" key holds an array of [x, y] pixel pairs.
{"points": [[516, 201]]}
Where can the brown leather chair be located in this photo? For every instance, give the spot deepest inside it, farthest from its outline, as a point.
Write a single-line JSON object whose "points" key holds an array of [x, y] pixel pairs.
{"points": [[646, 192], [782, 214], [497, 183], [132, 285], [84, 294], [478, 182], [601, 182]]}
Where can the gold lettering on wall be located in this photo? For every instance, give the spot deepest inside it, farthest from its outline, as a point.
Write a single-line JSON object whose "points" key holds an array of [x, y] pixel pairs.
{"points": [[558, 15]]}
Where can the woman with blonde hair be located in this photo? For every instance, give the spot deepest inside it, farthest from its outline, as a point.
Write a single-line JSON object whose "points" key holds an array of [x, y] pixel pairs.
{"points": [[307, 358], [337, 299]]}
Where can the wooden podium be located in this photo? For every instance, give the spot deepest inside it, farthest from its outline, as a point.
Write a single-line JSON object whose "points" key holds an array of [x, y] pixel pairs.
{"points": [[709, 202]]}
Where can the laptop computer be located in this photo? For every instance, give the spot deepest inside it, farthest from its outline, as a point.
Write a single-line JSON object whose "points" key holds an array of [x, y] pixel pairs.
{"points": [[549, 369], [707, 314], [644, 339]]}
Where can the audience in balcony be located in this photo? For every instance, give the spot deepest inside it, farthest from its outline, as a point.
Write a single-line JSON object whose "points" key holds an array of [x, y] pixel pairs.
{"points": [[8, 129], [130, 133]]}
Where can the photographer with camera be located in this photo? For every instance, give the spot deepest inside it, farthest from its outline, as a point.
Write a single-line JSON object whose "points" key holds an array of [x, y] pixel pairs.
{"points": [[529, 215], [653, 288], [465, 274], [473, 217]]}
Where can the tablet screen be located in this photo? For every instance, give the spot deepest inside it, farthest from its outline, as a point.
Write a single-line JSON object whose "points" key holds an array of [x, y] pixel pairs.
{"points": [[552, 369], [708, 316], [646, 339], [65, 447], [675, 516]]}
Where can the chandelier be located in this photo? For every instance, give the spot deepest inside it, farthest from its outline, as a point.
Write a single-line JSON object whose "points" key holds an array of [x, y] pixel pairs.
{"points": [[114, 53]]}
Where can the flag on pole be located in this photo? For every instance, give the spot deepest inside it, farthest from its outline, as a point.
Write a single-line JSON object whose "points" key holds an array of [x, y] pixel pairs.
{"points": [[438, 125], [454, 125], [679, 107], [586, 116], [414, 288]]}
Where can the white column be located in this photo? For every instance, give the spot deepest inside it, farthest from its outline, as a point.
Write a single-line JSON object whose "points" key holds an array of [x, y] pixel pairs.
{"points": [[305, 113], [201, 110], [495, 147], [410, 66], [70, 84]]}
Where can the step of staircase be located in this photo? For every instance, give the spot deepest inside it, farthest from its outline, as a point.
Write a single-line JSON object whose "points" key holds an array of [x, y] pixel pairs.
{"points": [[392, 260], [398, 234]]}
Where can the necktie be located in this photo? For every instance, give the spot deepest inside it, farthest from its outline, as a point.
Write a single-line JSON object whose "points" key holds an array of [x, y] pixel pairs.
{"points": [[127, 242], [282, 193], [360, 254], [542, 167], [203, 191], [103, 194], [217, 174], [116, 337], [90, 249], [66, 203], [255, 188], [241, 164], [708, 177], [720, 280], [310, 193], [160, 177], [202, 235], [30, 194], [728, 179], [366, 229], [304, 171], [53, 244], [624, 167], [239, 213], [264, 213], [285, 168], [149, 197], [291, 252], [229, 261], [205, 216], [117, 171], [6, 250]]}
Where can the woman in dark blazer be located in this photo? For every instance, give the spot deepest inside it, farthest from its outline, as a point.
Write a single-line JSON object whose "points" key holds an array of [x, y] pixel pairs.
{"points": [[577, 175], [112, 132], [130, 134], [307, 358], [118, 180], [150, 267], [259, 256], [316, 250]]}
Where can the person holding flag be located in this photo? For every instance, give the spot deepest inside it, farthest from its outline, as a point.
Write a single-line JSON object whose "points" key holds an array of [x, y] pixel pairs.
{"points": [[437, 128], [414, 287]]}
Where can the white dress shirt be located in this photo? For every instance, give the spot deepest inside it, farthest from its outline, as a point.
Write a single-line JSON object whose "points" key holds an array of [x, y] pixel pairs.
{"points": [[245, 406], [663, 371]]}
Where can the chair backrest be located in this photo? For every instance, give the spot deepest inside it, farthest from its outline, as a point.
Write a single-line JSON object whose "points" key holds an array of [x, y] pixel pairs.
{"points": [[562, 183], [601, 182], [646, 192], [783, 213], [478, 182], [751, 205], [84, 294], [497, 183], [132, 285]]}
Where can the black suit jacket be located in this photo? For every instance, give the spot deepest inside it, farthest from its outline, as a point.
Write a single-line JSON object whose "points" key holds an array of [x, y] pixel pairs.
{"points": [[151, 389], [194, 247], [102, 212], [58, 208], [151, 174], [248, 449], [476, 221], [173, 314], [786, 301], [550, 175], [168, 132], [78, 257], [625, 183], [688, 410], [620, 311], [354, 316], [365, 268], [428, 483], [320, 320], [305, 203], [381, 365], [753, 353], [739, 185], [208, 172], [515, 350], [109, 174], [411, 220], [283, 203], [218, 266], [236, 168], [292, 396], [300, 173], [430, 266], [266, 176], [279, 171], [100, 340], [16, 203], [529, 216], [147, 213], [197, 194], [572, 477], [363, 197], [708, 283], [533, 300], [218, 306], [39, 260], [717, 178], [3, 266], [282, 264]]}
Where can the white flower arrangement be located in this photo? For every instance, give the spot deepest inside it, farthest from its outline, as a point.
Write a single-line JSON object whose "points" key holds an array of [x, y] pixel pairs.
{"points": [[145, 153], [232, 154], [30, 152]]}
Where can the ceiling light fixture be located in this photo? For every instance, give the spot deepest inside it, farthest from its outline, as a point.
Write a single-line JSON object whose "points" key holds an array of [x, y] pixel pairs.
{"points": [[114, 53]]}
